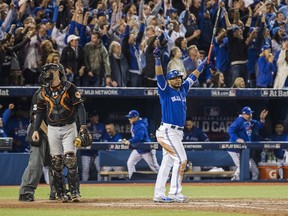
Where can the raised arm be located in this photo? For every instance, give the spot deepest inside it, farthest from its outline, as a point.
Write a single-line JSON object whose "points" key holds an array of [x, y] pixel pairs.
{"points": [[158, 66]]}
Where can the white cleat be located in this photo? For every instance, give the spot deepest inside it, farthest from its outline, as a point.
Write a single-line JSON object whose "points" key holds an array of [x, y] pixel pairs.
{"points": [[163, 199], [179, 198]]}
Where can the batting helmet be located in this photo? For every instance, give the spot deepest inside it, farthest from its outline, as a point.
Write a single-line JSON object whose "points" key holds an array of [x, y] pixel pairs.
{"points": [[172, 74]]}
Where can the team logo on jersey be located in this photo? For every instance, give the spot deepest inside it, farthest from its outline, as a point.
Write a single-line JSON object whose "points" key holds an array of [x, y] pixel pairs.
{"points": [[54, 93], [77, 94], [176, 98]]}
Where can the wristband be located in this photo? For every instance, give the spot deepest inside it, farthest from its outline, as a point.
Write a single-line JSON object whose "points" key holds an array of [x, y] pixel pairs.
{"points": [[200, 68], [157, 61], [193, 77]]}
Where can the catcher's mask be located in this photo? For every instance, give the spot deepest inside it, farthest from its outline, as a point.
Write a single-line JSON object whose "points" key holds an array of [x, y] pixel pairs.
{"points": [[46, 71]]}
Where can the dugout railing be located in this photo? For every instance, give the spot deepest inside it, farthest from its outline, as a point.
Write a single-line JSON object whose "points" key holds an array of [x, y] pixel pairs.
{"points": [[200, 153], [14, 164], [213, 93]]}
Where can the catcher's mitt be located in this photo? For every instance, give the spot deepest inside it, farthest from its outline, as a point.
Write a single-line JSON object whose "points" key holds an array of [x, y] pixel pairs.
{"points": [[83, 139]]}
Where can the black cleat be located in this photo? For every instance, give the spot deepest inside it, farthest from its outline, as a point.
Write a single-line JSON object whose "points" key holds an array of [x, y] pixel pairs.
{"points": [[62, 198], [52, 197], [28, 197], [75, 197]]}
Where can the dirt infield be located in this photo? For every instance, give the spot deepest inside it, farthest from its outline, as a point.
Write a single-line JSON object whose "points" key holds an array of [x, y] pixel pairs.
{"points": [[271, 207], [247, 206]]}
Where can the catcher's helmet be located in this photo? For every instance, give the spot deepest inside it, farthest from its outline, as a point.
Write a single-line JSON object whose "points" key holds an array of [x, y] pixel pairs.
{"points": [[50, 66], [46, 76], [172, 74]]}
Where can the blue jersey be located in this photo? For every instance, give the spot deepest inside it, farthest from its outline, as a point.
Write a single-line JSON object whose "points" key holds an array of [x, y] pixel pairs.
{"points": [[173, 102], [97, 131], [243, 129], [115, 138], [139, 133], [222, 56], [194, 135], [5, 118], [17, 128], [265, 72], [279, 153]]}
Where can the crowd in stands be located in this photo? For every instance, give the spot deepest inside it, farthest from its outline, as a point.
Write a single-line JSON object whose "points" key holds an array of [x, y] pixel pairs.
{"points": [[111, 42]]}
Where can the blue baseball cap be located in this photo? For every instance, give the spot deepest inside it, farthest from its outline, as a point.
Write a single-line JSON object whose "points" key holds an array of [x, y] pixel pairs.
{"points": [[247, 110], [101, 13], [172, 74], [285, 38], [132, 114], [173, 10], [37, 9], [265, 47], [275, 30]]}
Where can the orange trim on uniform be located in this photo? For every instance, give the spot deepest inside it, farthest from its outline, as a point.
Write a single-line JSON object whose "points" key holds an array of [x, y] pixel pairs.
{"points": [[62, 101], [49, 101]]}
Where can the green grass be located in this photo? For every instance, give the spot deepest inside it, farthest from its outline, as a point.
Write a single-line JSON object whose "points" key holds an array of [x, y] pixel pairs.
{"points": [[146, 191], [202, 191]]}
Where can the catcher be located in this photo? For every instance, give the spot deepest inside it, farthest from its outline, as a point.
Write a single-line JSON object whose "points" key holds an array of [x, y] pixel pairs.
{"points": [[60, 102]]}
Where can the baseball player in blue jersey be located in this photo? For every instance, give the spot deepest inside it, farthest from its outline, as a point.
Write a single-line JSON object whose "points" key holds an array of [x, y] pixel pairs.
{"points": [[241, 131], [4, 119], [172, 93], [112, 136], [139, 134], [281, 154], [193, 133]]}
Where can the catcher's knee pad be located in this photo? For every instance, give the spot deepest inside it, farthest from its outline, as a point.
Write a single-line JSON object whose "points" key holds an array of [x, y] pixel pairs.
{"points": [[57, 162], [70, 160]]}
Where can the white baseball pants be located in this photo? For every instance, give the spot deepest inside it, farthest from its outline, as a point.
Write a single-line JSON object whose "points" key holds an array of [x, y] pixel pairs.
{"points": [[252, 166], [174, 155], [135, 157]]}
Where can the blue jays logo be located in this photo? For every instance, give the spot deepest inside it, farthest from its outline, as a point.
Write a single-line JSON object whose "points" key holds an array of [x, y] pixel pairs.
{"points": [[176, 98], [248, 127]]}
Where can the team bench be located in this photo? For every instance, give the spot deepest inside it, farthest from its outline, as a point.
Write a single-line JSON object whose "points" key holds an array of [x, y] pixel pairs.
{"points": [[109, 175], [208, 158]]}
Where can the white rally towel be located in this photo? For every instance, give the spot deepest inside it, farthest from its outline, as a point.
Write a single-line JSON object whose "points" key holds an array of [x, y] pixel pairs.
{"points": [[248, 2]]}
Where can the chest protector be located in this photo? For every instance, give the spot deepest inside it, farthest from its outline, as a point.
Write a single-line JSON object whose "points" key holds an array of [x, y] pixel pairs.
{"points": [[59, 105]]}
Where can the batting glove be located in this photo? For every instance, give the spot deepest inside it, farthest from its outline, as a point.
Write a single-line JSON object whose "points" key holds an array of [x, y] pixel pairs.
{"points": [[202, 65], [125, 142]]}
